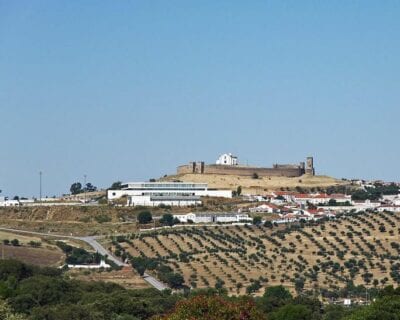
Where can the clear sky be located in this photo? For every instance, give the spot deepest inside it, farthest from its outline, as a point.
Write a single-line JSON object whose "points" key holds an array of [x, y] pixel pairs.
{"points": [[127, 90]]}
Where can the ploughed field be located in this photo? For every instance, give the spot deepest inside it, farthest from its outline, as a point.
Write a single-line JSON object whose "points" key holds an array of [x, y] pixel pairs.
{"points": [[364, 248]]}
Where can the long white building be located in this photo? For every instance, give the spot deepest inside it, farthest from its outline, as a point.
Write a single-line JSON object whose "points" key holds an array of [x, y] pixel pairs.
{"points": [[166, 193], [212, 217], [4, 202]]}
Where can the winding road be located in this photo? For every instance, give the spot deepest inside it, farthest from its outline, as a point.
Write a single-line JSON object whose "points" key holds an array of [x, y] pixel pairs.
{"points": [[91, 241]]}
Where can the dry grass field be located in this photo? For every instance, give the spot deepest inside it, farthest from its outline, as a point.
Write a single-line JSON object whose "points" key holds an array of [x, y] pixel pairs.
{"points": [[261, 185], [45, 255], [363, 248], [70, 220], [125, 277]]}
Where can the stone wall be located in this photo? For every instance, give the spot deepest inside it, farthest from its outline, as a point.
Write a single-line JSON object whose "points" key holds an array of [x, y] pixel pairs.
{"points": [[243, 171]]}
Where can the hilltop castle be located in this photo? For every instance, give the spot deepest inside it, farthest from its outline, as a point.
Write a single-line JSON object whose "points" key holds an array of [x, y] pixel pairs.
{"points": [[228, 164]]}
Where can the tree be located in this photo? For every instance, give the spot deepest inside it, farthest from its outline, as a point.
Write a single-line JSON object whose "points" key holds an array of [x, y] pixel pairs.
{"points": [[15, 242], [335, 312], [255, 175], [144, 217], [268, 224], [239, 190], [116, 185], [167, 219], [76, 188], [274, 297], [90, 188], [6, 312], [387, 308], [332, 202], [292, 312], [257, 220], [175, 280], [205, 307]]}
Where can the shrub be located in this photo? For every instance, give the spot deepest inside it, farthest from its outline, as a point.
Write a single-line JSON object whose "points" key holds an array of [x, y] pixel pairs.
{"points": [[101, 218], [144, 217]]}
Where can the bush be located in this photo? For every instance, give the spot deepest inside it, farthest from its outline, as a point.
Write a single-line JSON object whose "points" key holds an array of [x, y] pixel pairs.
{"points": [[101, 218], [167, 219], [35, 244], [145, 217], [15, 242]]}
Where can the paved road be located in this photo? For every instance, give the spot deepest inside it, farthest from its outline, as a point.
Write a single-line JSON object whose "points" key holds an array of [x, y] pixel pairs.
{"points": [[100, 249], [154, 282]]}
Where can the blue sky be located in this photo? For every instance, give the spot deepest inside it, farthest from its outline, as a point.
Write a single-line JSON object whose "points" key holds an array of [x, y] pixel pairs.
{"points": [[127, 90]]}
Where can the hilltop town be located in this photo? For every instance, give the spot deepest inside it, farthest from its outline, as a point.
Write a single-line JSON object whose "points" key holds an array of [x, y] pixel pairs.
{"points": [[238, 228]]}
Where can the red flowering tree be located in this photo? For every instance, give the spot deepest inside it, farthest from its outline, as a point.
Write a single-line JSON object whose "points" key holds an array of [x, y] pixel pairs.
{"points": [[215, 307]]}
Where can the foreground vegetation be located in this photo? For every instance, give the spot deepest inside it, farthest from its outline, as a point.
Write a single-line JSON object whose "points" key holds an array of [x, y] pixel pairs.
{"points": [[34, 293]]}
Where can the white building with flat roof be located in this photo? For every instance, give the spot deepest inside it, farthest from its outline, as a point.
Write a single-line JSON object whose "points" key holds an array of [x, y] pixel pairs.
{"points": [[166, 193], [5, 202], [227, 159], [212, 217]]}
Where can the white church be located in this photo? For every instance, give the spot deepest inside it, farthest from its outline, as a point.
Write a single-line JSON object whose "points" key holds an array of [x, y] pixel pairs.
{"points": [[227, 159]]}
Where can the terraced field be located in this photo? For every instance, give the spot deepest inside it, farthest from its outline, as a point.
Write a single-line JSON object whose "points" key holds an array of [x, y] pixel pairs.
{"points": [[326, 255]]}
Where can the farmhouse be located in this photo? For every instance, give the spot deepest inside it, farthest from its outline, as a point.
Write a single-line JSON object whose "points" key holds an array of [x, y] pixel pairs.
{"points": [[166, 193]]}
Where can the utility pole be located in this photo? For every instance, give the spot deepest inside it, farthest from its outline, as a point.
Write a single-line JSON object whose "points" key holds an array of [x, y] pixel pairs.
{"points": [[84, 187], [40, 186]]}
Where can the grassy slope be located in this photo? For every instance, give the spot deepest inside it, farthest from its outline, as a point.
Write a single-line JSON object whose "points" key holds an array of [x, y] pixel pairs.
{"points": [[250, 185]]}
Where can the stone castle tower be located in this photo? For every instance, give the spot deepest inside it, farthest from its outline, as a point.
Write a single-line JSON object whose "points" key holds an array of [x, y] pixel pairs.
{"points": [[310, 166]]}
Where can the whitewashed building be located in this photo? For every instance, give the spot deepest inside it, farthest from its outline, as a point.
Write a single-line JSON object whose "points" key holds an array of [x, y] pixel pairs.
{"points": [[4, 202], [268, 208], [165, 193], [213, 217], [320, 198], [227, 159], [391, 208]]}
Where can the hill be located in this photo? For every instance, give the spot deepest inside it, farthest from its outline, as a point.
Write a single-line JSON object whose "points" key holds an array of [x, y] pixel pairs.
{"points": [[323, 256], [257, 186]]}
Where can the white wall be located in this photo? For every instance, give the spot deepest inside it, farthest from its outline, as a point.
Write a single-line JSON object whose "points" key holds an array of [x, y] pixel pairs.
{"points": [[115, 194]]}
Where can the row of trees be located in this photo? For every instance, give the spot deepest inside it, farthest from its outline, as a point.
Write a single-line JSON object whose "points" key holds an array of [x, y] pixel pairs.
{"points": [[76, 188]]}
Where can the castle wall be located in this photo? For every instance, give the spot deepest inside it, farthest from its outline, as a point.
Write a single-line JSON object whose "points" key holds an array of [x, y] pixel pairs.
{"points": [[244, 171], [185, 169]]}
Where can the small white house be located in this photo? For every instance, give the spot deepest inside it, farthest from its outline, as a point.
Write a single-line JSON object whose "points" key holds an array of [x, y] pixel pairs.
{"points": [[227, 159], [268, 208], [102, 264]]}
